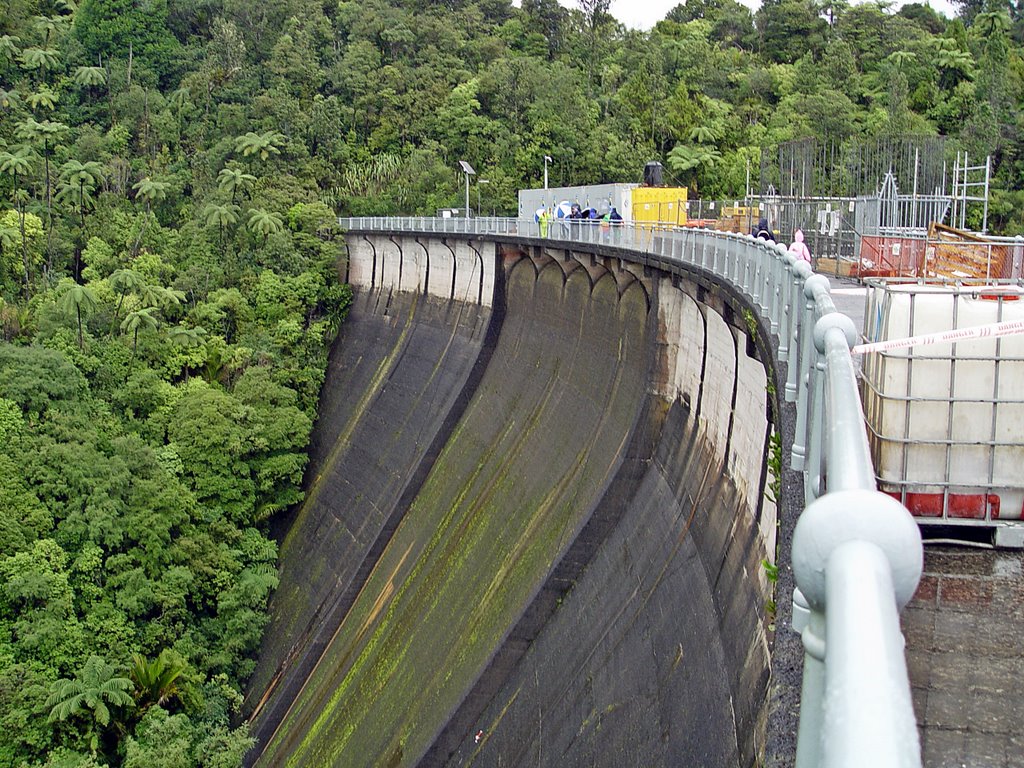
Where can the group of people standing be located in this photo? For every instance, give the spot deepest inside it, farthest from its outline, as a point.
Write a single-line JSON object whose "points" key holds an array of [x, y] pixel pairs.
{"points": [[798, 247], [576, 213]]}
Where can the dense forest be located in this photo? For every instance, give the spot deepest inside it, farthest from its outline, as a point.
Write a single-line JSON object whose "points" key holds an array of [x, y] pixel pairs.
{"points": [[170, 176]]}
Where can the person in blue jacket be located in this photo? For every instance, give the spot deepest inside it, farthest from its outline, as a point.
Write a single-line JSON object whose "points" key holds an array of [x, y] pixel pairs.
{"points": [[763, 231]]}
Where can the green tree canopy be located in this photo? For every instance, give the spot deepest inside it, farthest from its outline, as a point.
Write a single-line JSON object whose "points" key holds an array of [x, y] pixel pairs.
{"points": [[93, 692]]}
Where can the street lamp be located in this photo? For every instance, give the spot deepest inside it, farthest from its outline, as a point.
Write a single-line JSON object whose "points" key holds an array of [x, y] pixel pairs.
{"points": [[547, 159], [478, 183], [468, 170]]}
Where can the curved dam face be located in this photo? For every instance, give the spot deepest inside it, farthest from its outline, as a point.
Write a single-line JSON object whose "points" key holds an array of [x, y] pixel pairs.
{"points": [[535, 522]]}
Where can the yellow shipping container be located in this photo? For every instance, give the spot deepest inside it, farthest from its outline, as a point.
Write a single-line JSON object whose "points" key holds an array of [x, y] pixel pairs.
{"points": [[664, 205]]}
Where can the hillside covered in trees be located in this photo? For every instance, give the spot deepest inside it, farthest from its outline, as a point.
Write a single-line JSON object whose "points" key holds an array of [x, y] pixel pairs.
{"points": [[170, 174]]}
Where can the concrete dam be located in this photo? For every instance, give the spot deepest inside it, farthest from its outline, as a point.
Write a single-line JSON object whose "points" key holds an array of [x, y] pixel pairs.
{"points": [[538, 505]]}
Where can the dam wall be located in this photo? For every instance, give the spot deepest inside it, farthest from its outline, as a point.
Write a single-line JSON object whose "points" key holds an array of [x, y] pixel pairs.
{"points": [[535, 523], [395, 377]]}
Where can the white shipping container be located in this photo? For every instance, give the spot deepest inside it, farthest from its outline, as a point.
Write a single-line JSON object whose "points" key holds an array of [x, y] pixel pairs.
{"points": [[603, 197]]}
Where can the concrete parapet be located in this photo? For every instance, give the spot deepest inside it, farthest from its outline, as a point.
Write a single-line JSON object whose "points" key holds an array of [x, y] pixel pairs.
{"points": [[448, 269]]}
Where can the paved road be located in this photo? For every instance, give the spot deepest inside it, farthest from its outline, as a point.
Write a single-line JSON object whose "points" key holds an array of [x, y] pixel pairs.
{"points": [[848, 296]]}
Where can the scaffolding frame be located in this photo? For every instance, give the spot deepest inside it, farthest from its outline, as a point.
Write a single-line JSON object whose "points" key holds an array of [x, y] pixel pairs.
{"points": [[847, 200], [967, 179]]}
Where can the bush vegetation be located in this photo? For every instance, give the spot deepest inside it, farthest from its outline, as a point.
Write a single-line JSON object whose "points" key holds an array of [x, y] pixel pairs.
{"points": [[170, 176]]}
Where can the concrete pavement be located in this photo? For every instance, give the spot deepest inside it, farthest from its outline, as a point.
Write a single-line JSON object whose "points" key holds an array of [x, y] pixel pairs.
{"points": [[965, 654]]}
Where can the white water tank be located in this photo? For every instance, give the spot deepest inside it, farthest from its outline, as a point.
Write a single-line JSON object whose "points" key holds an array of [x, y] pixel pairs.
{"points": [[946, 421]]}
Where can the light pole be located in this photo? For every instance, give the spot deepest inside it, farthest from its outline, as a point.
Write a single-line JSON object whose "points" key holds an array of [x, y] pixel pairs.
{"points": [[547, 159], [468, 170], [478, 183]]}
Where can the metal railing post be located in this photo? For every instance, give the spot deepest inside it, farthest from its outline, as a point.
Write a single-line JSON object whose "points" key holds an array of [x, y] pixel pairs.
{"points": [[808, 359], [783, 305], [816, 435], [780, 297], [801, 271], [757, 279], [741, 275], [812, 693]]}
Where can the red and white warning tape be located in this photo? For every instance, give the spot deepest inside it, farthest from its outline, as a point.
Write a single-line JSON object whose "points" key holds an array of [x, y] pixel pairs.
{"points": [[1009, 328]]}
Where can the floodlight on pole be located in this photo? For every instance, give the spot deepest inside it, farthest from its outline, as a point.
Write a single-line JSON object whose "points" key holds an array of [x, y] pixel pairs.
{"points": [[547, 159], [468, 170]]}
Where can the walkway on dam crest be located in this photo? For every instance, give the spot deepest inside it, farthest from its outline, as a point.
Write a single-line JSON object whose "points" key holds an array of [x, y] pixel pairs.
{"points": [[965, 641]]}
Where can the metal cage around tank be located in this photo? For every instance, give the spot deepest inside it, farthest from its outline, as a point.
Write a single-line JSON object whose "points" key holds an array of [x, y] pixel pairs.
{"points": [[946, 420]]}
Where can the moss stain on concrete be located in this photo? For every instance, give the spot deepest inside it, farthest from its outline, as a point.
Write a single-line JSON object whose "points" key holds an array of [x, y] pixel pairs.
{"points": [[380, 375], [483, 533], [413, 364]]}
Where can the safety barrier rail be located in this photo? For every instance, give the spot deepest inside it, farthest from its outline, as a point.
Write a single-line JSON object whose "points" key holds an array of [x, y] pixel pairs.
{"points": [[857, 553]]}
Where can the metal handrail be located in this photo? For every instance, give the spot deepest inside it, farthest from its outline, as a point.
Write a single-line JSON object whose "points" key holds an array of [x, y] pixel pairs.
{"points": [[857, 553]]}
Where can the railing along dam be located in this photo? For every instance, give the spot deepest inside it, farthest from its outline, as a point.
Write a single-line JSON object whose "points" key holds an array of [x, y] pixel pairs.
{"points": [[541, 515]]}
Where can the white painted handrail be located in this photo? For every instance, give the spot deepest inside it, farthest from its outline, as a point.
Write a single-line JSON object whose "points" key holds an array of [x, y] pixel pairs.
{"points": [[857, 553]]}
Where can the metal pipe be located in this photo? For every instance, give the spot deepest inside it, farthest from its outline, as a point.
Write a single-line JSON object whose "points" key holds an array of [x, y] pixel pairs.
{"points": [[848, 460], [867, 699], [858, 558], [984, 215]]}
